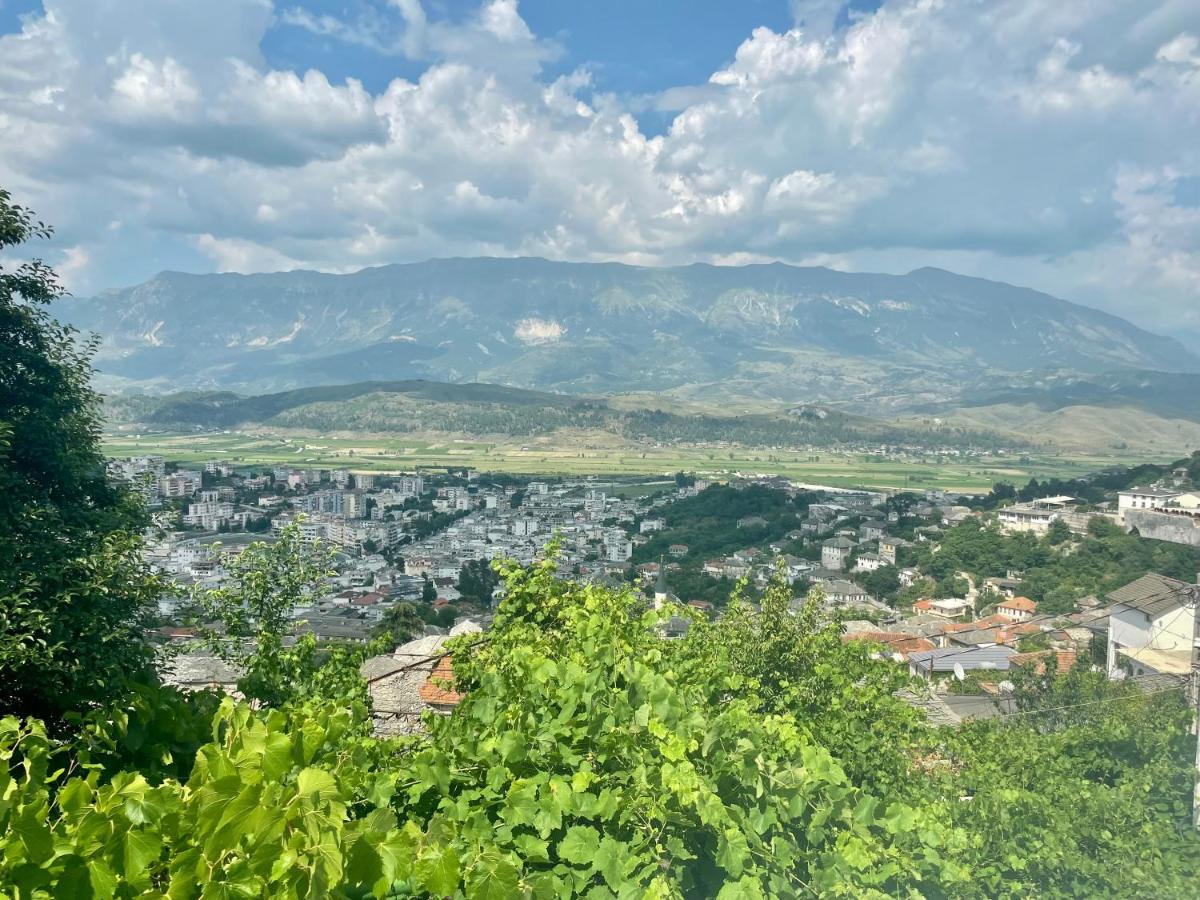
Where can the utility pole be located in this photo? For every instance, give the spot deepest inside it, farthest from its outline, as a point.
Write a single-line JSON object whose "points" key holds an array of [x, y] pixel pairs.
{"points": [[1195, 698]]}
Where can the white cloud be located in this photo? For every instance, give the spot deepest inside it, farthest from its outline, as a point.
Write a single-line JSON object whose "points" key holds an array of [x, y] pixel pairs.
{"points": [[1032, 140]]}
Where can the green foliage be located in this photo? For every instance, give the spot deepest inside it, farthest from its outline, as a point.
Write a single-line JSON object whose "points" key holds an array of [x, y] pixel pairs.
{"points": [[1101, 561], [884, 582], [253, 616], [476, 581], [399, 625], [707, 524], [591, 757], [481, 409], [795, 665], [1089, 799], [74, 593]]}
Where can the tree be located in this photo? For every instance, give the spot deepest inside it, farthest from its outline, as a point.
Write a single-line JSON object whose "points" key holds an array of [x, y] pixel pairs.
{"points": [[399, 625], [477, 580], [268, 581], [428, 591], [1058, 533], [74, 594], [590, 757]]}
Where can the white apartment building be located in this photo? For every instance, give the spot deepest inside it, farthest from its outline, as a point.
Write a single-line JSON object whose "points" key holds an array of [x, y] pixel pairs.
{"points": [[209, 512], [183, 483]]}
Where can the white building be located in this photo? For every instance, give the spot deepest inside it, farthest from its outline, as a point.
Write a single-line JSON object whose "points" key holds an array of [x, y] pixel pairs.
{"points": [[209, 512], [1019, 609], [1151, 628], [618, 550], [869, 562], [183, 483], [524, 527], [1144, 498], [1036, 516]]}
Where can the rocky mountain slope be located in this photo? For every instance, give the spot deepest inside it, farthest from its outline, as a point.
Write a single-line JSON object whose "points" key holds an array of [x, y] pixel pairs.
{"points": [[772, 332]]}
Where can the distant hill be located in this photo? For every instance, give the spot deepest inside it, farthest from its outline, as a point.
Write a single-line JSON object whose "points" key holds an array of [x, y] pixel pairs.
{"points": [[773, 333], [1174, 395], [473, 409]]}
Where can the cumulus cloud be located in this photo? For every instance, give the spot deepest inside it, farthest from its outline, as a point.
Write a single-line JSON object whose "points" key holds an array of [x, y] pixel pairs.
{"points": [[1039, 141]]}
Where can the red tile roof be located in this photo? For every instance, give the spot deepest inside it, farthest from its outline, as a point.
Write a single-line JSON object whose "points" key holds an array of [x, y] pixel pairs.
{"points": [[1023, 604], [1064, 660], [895, 642], [438, 689]]}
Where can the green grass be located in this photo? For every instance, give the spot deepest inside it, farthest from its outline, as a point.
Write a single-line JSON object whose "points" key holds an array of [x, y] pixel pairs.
{"points": [[403, 453]]}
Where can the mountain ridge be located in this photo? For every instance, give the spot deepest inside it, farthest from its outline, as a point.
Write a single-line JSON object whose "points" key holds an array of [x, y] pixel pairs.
{"points": [[785, 332]]}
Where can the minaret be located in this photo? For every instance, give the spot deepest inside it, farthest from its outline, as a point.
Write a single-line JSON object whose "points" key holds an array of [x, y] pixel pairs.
{"points": [[660, 586]]}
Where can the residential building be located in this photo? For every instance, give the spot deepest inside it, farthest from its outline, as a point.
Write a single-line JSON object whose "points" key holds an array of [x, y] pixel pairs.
{"points": [[1152, 626], [1035, 517], [929, 664], [844, 593], [869, 562], [1019, 609], [1144, 498], [834, 553], [183, 483]]}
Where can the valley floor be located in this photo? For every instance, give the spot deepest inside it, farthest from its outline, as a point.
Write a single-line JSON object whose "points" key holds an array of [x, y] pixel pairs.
{"points": [[588, 453]]}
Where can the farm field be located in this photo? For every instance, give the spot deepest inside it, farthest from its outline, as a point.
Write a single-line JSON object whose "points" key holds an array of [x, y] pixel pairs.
{"points": [[570, 457]]}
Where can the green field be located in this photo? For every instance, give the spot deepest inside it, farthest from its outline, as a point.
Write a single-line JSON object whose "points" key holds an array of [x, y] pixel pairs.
{"points": [[403, 453]]}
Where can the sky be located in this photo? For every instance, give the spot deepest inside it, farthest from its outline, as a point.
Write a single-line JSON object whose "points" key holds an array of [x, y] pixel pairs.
{"points": [[1048, 143]]}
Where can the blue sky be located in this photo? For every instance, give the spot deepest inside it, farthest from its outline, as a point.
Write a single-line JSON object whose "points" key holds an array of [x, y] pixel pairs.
{"points": [[1053, 143]]}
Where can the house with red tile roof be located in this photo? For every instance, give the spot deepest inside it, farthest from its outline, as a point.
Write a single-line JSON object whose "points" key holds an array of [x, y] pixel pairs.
{"points": [[894, 643], [1019, 609], [1064, 660]]}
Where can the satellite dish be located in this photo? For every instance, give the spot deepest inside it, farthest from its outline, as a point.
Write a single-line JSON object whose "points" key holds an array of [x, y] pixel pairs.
{"points": [[958, 672], [1007, 687]]}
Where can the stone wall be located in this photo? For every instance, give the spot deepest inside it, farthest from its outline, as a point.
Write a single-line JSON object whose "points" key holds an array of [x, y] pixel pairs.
{"points": [[1160, 526]]}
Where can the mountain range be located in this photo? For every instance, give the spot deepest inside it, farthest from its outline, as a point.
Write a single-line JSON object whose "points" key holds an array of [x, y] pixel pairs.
{"points": [[760, 334]]}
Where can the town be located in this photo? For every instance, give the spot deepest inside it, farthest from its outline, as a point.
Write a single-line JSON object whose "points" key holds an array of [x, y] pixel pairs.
{"points": [[874, 561]]}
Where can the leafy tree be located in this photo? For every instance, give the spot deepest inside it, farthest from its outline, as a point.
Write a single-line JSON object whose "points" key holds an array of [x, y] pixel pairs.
{"points": [[428, 591], [399, 625], [1058, 533], [884, 582], [74, 594], [253, 615], [477, 580], [591, 757]]}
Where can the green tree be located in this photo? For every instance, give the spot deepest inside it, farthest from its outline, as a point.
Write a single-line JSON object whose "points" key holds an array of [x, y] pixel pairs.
{"points": [[251, 617], [591, 757], [428, 591], [399, 625], [74, 595], [477, 580]]}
